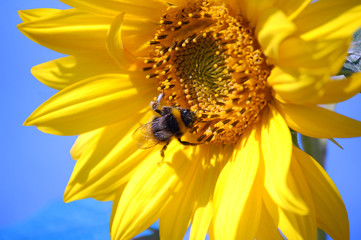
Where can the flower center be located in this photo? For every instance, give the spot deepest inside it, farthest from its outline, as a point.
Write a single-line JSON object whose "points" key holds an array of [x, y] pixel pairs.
{"points": [[209, 61]]}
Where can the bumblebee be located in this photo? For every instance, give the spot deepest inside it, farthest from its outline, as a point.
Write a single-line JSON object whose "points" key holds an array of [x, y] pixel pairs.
{"points": [[171, 122]]}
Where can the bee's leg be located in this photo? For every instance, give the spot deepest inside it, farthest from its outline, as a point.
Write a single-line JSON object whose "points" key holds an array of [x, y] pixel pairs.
{"points": [[162, 152], [187, 143], [154, 106]]}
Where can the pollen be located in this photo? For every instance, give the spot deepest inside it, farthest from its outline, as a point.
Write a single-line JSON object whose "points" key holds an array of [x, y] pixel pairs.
{"points": [[208, 60]]}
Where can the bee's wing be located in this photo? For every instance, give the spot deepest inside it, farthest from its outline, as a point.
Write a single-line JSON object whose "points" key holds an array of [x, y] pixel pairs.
{"points": [[144, 136]]}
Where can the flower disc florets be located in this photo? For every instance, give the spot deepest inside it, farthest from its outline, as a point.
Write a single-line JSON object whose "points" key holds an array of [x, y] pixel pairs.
{"points": [[209, 61]]}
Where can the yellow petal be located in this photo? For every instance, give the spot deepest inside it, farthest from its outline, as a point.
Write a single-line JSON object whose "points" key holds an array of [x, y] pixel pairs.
{"points": [[82, 142], [136, 33], [235, 6], [340, 90], [252, 10], [273, 21], [70, 32], [271, 206], [213, 160], [296, 227], [325, 29], [149, 191], [295, 85], [267, 229], [329, 19], [292, 8], [201, 221], [276, 150], [62, 72], [147, 9], [293, 225], [174, 223], [237, 211], [104, 168], [115, 205], [92, 103], [326, 55], [331, 213], [34, 14], [318, 122], [114, 42]]}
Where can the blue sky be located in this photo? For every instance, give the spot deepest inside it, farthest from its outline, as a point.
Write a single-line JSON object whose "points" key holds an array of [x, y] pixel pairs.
{"points": [[35, 166]]}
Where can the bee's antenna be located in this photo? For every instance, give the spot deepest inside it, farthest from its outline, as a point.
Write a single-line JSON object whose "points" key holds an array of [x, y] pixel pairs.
{"points": [[160, 96], [155, 104]]}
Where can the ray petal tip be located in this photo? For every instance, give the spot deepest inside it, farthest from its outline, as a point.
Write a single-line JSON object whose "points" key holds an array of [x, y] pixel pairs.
{"points": [[21, 13], [69, 195], [28, 122]]}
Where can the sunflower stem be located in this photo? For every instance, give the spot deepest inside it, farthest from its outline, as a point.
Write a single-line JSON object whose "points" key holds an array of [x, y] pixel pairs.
{"points": [[321, 235], [315, 147], [153, 236], [294, 136]]}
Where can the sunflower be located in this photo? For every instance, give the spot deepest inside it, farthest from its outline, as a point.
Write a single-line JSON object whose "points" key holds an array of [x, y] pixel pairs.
{"points": [[249, 71]]}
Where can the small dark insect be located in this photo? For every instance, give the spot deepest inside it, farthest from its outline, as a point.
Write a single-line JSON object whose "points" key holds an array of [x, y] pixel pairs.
{"points": [[171, 122]]}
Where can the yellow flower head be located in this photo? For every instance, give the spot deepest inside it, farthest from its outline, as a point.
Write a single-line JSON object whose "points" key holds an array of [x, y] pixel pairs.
{"points": [[244, 71]]}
